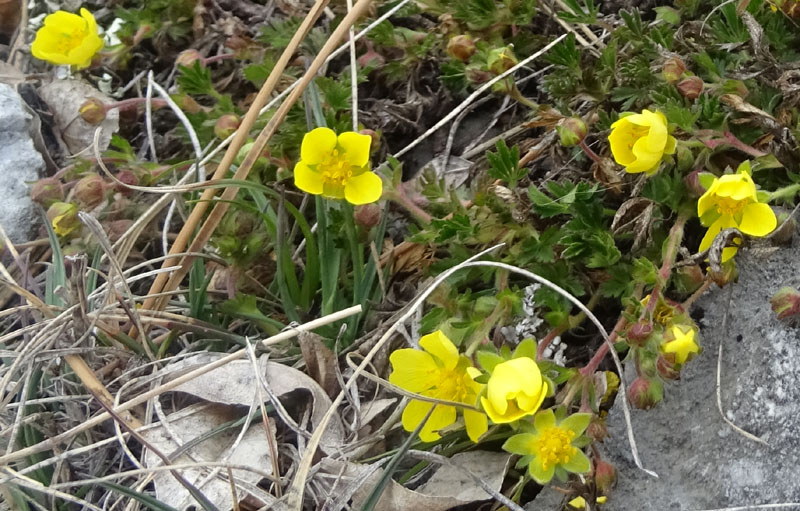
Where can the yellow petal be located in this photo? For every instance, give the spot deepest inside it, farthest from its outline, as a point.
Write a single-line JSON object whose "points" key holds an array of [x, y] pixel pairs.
{"points": [[645, 160], [510, 413], [307, 179], [65, 22], [356, 147], [657, 137], [683, 346], [737, 187], [671, 145], [317, 144], [707, 200], [714, 229], [415, 413], [363, 188], [758, 219], [332, 190], [477, 424], [441, 417], [621, 140], [413, 370], [639, 119], [438, 345]]}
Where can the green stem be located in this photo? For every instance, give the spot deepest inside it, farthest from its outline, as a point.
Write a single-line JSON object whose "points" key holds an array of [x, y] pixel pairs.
{"points": [[356, 250], [787, 192]]}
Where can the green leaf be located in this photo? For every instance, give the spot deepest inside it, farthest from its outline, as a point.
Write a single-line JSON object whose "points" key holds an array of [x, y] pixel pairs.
{"points": [[195, 79], [644, 271], [541, 249], [336, 93], [668, 14], [246, 306], [505, 164], [488, 360], [566, 54], [578, 14], [526, 348]]}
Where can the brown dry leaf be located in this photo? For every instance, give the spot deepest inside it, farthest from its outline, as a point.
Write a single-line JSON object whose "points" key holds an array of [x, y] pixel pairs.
{"points": [[64, 98], [10, 13], [608, 174], [320, 362], [447, 488], [407, 257], [740, 105], [235, 384], [194, 422]]}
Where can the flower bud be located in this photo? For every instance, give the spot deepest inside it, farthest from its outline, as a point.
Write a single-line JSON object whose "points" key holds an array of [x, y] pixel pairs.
{"points": [[128, 178], [116, 228], [688, 279], [673, 70], [645, 393], [189, 105], [735, 87], [189, 57], [597, 429], [693, 184], [572, 131], [605, 476], [93, 111], [684, 157], [371, 57], [226, 125], [786, 302], [476, 75], [376, 139], [89, 191], [461, 47], [639, 332], [501, 60], [665, 365], [691, 87], [63, 216], [47, 191], [368, 215]]}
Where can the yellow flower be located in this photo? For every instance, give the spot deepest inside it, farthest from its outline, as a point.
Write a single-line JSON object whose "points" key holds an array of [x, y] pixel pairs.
{"points": [[63, 217], [732, 201], [683, 346], [441, 373], [580, 502], [639, 141], [550, 449], [67, 38], [337, 167], [515, 389]]}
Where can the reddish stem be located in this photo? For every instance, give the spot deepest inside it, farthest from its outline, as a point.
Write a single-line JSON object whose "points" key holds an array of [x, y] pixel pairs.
{"points": [[591, 154], [602, 351]]}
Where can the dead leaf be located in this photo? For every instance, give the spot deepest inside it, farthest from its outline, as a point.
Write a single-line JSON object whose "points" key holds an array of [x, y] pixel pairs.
{"points": [[320, 362], [64, 98], [192, 423], [235, 384], [407, 257], [449, 486], [10, 12]]}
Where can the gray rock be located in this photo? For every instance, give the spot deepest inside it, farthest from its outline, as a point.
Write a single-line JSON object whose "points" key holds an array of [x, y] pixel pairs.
{"points": [[702, 462], [20, 163]]}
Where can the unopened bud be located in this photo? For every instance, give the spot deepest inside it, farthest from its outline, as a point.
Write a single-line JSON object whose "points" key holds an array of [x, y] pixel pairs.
{"points": [[116, 228], [688, 279], [189, 105], [368, 215], [376, 139], [572, 131], [63, 216], [226, 125], [693, 184], [501, 60], [597, 429], [645, 393], [684, 157], [605, 476], [89, 191], [786, 302], [128, 178], [639, 332], [461, 47], [93, 111], [691, 87], [666, 367], [737, 87], [673, 70], [476, 75], [47, 191], [189, 57]]}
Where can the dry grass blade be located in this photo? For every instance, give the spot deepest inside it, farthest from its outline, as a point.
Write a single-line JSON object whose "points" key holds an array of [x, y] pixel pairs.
{"points": [[69, 435], [221, 207], [239, 139]]}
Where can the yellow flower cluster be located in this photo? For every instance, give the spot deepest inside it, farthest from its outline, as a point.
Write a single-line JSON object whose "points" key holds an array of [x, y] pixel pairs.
{"points": [[67, 38]]}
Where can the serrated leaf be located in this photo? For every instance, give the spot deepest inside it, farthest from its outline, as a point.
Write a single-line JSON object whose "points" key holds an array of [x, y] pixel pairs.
{"points": [[488, 360]]}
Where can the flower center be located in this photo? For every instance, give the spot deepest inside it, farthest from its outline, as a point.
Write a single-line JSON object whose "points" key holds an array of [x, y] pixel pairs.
{"points": [[728, 206], [335, 168], [451, 386], [636, 133], [68, 41], [554, 446]]}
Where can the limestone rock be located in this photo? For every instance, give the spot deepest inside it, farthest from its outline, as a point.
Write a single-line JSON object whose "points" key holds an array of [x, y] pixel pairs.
{"points": [[702, 462], [20, 164]]}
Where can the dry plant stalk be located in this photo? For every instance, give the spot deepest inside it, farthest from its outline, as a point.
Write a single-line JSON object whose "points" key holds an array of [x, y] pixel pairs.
{"points": [[238, 141]]}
